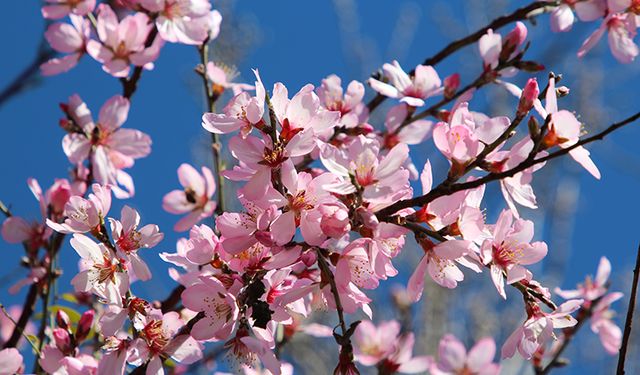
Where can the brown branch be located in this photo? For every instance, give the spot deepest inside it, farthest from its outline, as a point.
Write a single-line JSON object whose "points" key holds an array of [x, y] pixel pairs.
{"points": [[446, 188], [517, 15], [27, 310], [629, 319]]}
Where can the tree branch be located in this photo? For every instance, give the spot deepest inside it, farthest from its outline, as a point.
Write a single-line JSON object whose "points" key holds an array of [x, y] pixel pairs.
{"points": [[629, 319]]}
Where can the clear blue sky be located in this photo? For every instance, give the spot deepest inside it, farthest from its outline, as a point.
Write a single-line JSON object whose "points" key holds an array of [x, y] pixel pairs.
{"points": [[297, 43]]}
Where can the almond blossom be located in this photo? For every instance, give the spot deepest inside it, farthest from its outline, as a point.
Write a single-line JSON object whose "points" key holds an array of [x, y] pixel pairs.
{"points": [[453, 358], [413, 90], [219, 307], [70, 39], [195, 199], [510, 249], [123, 43], [85, 215], [621, 30], [348, 103], [184, 21]]}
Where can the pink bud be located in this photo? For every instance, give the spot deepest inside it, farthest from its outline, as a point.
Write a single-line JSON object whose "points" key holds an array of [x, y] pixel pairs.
{"points": [[451, 84], [62, 319], [84, 325], [58, 195], [516, 36], [62, 339], [309, 258], [528, 96], [335, 219]]}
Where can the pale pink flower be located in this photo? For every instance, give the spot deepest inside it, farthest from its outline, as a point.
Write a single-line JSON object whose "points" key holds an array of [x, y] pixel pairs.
{"points": [[115, 355], [202, 245], [602, 323], [562, 17], [11, 361], [241, 113], [493, 48], [70, 39], [335, 219], [36, 274], [56, 9], [564, 131], [413, 90], [414, 133], [438, 261], [222, 77], [591, 289], [128, 239], [105, 276], [183, 21], [218, 305], [621, 29], [195, 199], [453, 358], [332, 97], [85, 215], [55, 361], [122, 43], [510, 249], [538, 329], [241, 230], [372, 344], [109, 147], [161, 338], [402, 359]]}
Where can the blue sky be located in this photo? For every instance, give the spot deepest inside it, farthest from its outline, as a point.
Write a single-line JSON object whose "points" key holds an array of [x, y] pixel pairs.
{"points": [[301, 42]]}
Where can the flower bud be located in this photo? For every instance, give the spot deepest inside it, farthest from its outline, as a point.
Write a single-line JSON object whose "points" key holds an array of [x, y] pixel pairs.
{"points": [[451, 84], [516, 36], [84, 325], [58, 195], [528, 97], [309, 258], [62, 319], [335, 219], [62, 339]]}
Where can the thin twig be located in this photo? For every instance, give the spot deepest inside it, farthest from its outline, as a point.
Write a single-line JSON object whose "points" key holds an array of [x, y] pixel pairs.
{"points": [[629, 320], [446, 188], [33, 345]]}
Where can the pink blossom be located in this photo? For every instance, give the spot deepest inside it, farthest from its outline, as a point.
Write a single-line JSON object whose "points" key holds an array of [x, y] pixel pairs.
{"points": [[510, 249], [123, 43], [60, 8], [161, 337], [7, 326], [222, 77], [36, 274], [564, 131], [438, 260], [454, 359], [335, 219], [195, 199], [105, 275], [109, 147], [412, 134], [129, 239], [494, 49], [11, 361], [70, 39], [183, 21], [622, 30], [402, 359], [602, 323], [85, 215], [591, 289], [413, 90], [372, 343], [538, 329], [241, 113], [202, 245], [241, 230], [332, 97], [54, 361], [219, 307]]}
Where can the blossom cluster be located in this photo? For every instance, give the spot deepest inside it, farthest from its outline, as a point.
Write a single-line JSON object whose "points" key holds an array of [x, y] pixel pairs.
{"points": [[328, 205]]}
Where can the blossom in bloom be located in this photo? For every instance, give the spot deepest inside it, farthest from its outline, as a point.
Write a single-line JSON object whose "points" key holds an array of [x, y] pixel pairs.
{"points": [[241, 113], [219, 307], [510, 249], [413, 90], [70, 39], [55, 9], [412, 134], [538, 329], [161, 337], [621, 30], [493, 48], [453, 358], [332, 97], [129, 239], [84, 215], [11, 361], [602, 323], [59, 358], [438, 261], [372, 344], [105, 275], [184, 21], [564, 130], [123, 43], [591, 289], [562, 17], [195, 199], [109, 147], [222, 78]]}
